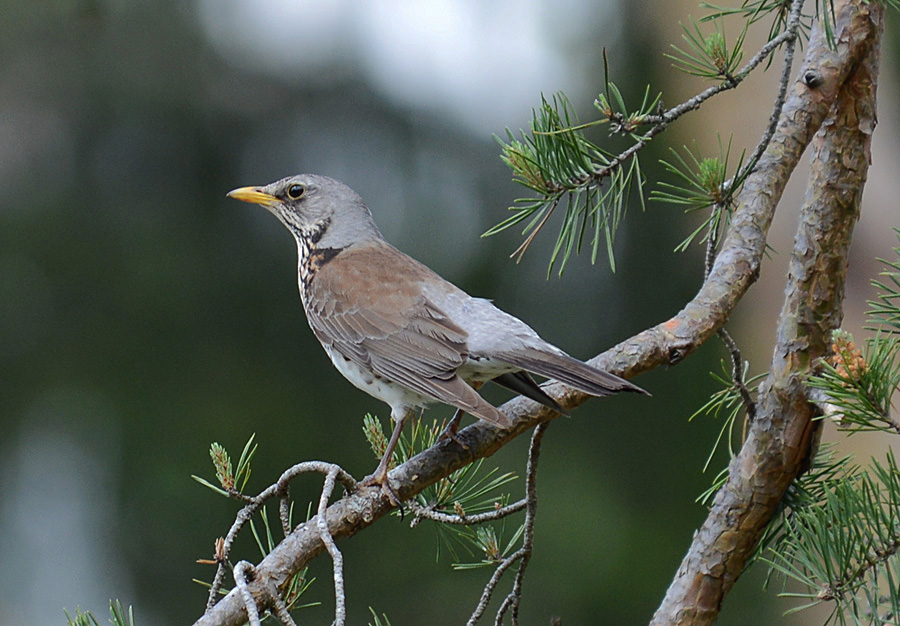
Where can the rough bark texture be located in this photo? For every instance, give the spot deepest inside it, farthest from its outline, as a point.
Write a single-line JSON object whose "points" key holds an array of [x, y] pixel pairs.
{"points": [[778, 441]]}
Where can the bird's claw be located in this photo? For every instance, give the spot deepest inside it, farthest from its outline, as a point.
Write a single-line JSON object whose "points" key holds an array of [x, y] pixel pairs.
{"points": [[451, 434], [451, 429], [384, 482]]}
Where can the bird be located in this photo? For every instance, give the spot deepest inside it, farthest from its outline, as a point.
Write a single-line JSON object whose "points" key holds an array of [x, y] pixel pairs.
{"points": [[399, 331]]}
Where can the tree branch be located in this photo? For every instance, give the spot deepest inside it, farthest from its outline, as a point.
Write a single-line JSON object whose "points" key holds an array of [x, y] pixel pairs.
{"points": [[779, 442], [661, 122], [735, 269], [737, 265]]}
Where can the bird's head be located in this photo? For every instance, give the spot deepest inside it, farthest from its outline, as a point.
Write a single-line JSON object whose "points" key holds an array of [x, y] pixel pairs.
{"points": [[316, 209]]}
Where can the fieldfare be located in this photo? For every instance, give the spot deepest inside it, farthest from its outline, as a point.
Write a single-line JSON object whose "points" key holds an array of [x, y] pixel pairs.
{"points": [[396, 329]]}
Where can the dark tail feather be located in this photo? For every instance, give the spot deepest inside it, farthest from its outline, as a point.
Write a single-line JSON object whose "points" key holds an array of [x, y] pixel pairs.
{"points": [[522, 383], [570, 371]]}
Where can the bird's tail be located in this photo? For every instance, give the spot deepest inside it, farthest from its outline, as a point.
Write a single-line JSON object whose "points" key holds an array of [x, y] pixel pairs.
{"points": [[570, 371], [523, 384]]}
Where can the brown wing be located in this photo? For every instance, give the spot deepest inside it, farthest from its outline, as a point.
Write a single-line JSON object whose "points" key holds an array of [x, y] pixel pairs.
{"points": [[367, 304]]}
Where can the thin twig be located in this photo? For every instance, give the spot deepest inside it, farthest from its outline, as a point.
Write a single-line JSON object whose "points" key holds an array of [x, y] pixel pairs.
{"points": [[660, 122], [279, 488], [523, 554], [505, 564], [712, 241], [284, 512], [737, 373], [793, 24], [279, 608], [712, 238], [424, 512], [242, 517], [241, 571], [737, 361], [340, 600], [515, 596]]}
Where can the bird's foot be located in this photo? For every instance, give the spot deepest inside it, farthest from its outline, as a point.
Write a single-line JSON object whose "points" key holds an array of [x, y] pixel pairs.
{"points": [[450, 432], [451, 429], [380, 478]]}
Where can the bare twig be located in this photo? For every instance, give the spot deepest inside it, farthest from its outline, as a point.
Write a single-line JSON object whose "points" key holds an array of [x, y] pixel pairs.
{"points": [[712, 242], [660, 122], [337, 559], [534, 452], [485, 599], [523, 554], [280, 610], [737, 373], [242, 517], [424, 512], [279, 488], [242, 571], [793, 24], [284, 511]]}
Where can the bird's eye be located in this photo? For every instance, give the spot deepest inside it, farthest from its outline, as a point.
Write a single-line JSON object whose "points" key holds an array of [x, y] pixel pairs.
{"points": [[295, 191]]}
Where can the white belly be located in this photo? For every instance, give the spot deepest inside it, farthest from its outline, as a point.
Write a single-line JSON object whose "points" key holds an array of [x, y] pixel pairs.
{"points": [[397, 396]]}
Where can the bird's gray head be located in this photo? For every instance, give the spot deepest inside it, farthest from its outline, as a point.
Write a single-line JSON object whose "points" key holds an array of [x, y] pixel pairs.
{"points": [[318, 210]]}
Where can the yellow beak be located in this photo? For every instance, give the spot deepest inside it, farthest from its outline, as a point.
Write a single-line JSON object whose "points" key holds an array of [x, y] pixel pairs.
{"points": [[253, 195]]}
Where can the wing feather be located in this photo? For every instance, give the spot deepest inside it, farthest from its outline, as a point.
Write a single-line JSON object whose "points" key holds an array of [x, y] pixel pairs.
{"points": [[383, 322]]}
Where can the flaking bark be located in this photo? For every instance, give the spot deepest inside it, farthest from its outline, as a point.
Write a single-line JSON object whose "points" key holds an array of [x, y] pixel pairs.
{"points": [[779, 440]]}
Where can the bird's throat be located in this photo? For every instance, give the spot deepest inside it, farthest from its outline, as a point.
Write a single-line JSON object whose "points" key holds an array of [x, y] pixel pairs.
{"points": [[311, 256]]}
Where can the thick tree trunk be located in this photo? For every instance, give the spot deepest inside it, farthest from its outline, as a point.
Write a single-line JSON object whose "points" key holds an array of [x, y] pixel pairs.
{"points": [[779, 440]]}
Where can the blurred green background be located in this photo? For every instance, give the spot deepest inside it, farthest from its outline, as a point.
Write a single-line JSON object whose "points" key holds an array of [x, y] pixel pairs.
{"points": [[143, 315]]}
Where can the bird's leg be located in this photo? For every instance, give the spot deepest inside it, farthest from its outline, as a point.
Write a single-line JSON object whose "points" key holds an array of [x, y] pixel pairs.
{"points": [[450, 431], [452, 428], [379, 477]]}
